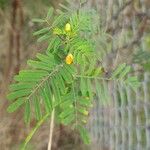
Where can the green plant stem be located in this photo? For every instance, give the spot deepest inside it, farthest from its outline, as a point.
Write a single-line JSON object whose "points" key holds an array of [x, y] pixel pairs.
{"points": [[34, 130], [94, 77], [45, 79]]}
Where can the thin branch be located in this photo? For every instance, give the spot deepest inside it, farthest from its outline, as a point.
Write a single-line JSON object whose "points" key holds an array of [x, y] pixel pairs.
{"points": [[44, 80], [33, 131], [51, 129]]}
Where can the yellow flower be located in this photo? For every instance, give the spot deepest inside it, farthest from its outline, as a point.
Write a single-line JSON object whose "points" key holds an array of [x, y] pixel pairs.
{"points": [[68, 27], [69, 59]]}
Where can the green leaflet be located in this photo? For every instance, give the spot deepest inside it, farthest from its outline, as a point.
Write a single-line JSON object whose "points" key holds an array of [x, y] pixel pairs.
{"points": [[18, 94], [84, 135], [68, 119], [61, 84], [90, 90], [118, 70], [121, 73], [56, 91], [132, 79], [91, 67], [37, 109], [48, 90], [46, 99], [21, 86], [44, 37], [15, 105], [26, 78], [48, 59], [66, 75], [39, 65], [50, 13], [106, 92], [71, 69], [79, 57], [86, 102], [66, 112], [59, 20], [51, 43], [122, 93], [97, 72], [132, 82], [56, 44], [32, 74], [124, 72], [42, 31], [83, 86], [101, 91], [38, 20], [67, 100], [27, 112], [66, 103]]}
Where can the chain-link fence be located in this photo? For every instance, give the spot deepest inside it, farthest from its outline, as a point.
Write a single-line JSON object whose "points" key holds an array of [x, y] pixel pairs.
{"points": [[124, 122]]}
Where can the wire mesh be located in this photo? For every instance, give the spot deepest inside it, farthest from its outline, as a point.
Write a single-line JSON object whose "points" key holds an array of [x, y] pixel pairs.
{"points": [[124, 122]]}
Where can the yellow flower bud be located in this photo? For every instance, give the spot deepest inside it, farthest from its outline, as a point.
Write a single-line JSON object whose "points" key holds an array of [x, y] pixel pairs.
{"points": [[84, 121], [86, 113], [69, 59], [68, 27], [87, 98]]}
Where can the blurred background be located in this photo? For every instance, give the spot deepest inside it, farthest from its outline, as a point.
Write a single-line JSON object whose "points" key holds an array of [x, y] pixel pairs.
{"points": [[128, 22]]}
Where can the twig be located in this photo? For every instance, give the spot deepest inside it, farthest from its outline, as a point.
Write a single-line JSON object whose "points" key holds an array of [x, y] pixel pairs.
{"points": [[44, 80], [51, 129], [33, 131]]}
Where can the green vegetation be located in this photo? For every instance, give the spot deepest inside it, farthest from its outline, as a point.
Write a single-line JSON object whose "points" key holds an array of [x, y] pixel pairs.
{"points": [[69, 74]]}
